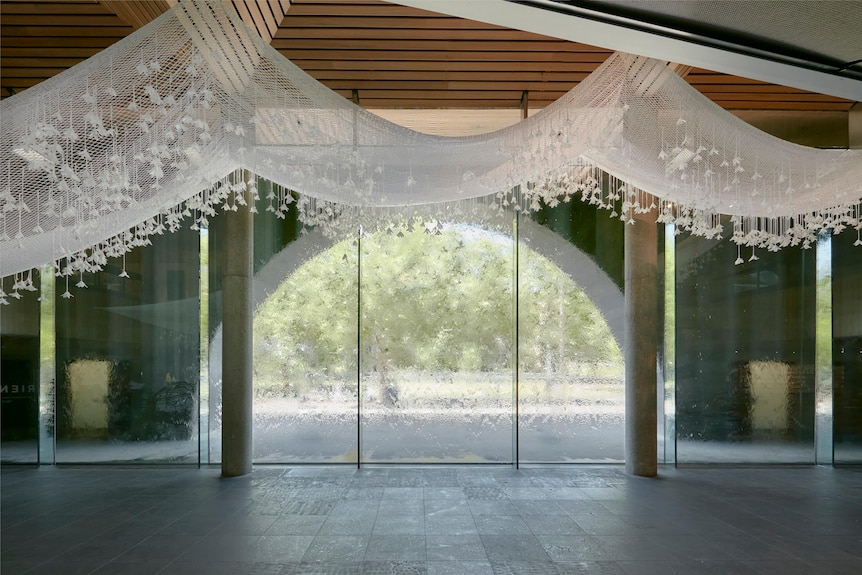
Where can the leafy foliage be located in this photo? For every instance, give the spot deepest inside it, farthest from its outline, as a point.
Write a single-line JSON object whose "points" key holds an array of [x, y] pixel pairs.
{"points": [[429, 302]]}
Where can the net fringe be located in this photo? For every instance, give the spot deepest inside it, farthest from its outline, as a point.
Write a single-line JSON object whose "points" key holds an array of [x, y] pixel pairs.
{"points": [[166, 125]]}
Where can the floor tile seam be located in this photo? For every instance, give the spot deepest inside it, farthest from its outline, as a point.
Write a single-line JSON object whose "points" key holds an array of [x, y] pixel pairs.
{"points": [[38, 564], [41, 563], [111, 528], [162, 530], [59, 551], [105, 563]]}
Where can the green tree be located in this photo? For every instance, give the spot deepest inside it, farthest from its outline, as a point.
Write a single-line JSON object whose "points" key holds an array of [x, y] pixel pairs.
{"points": [[429, 302]]}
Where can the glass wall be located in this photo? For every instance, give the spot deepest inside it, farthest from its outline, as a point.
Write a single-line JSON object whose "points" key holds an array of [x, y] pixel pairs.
{"points": [[305, 341], [744, 354], [211, 317], [847, 347], [128, 359], [19, 376], [304, 338], [428, 310], [570, 314], [436, 343], [401, 339], [399, 345]]}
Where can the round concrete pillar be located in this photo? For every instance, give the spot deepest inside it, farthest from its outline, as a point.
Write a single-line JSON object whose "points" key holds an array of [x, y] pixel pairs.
{"points": [[237, 343], [640, 345]]}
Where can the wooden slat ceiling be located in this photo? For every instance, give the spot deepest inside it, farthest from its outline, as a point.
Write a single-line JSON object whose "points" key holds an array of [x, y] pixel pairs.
{"points": [[388, 55]]}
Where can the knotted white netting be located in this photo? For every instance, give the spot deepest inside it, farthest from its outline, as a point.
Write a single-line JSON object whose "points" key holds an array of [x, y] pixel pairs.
{"points": [[146, 133]]}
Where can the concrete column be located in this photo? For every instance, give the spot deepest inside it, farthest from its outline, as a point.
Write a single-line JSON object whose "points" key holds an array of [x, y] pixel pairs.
{"points": [[639, 347], [237, 343], [854, 126]]}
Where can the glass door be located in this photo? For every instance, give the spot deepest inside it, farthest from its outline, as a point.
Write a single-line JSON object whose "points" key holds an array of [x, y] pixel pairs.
{"points": [[436, 343]]}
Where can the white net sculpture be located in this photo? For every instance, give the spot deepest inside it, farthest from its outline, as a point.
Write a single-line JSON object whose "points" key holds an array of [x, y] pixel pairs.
{"points": [[147, 133]]}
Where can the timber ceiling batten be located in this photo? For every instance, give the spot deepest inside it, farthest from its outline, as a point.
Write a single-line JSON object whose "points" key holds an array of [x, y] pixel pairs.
{"points": [[262, 15], [400, 57], [393, 55], [138, 13], [42, 39]]}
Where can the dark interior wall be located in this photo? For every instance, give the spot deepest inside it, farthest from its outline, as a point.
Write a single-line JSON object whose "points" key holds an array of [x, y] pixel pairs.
{"points": [[145, 327], [847, 346], [19, 374], [730, 319]]}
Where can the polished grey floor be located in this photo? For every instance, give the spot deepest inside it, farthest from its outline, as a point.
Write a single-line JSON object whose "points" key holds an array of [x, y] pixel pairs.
{"points": [[434, 520]]}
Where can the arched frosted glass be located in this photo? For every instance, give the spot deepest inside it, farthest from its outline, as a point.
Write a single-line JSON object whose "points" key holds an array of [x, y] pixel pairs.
{"points": [[437, 343], [571, 400]]}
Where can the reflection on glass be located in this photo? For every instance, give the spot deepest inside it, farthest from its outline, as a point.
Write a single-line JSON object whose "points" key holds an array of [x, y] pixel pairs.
{"points": [[436, 343], [847, 347], [305, 354], [744, 354], [47, 365], [667, 400], [572, 397], [413, 325], [19, 377], [128, 359], [204, 342], [216, 239], [823, 373]]}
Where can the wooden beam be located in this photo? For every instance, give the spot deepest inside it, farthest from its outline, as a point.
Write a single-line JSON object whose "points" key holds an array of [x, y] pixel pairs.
{"points": [[37, 63], [64, 20], [802, 106], [264, 16], [759, 97], [433, 103], [548, 47], [39, 33], [453, 86], [406, 33], [138, 13], [362, 9], [774, 89], [339, 21], [30, 73], [44, 8], [475, 55], [40, 52], [7, 40], [242, 9], [462, 95], [335, 67], [442, 75], [681, 70]]}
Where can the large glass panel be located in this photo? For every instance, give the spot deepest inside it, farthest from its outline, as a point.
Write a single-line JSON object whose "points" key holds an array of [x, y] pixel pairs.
{"points": [[212, 317], [305, 323], [128, 358], [667, 346], [437, 342], [304, 337], [847, 347], [744, 353], [204, 343], [19, 375], [823, 368], [571, 393]]}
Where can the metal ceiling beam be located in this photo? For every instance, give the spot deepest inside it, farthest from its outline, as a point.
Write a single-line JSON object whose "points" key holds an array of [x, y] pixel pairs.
{"points": [[552, 19]]}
